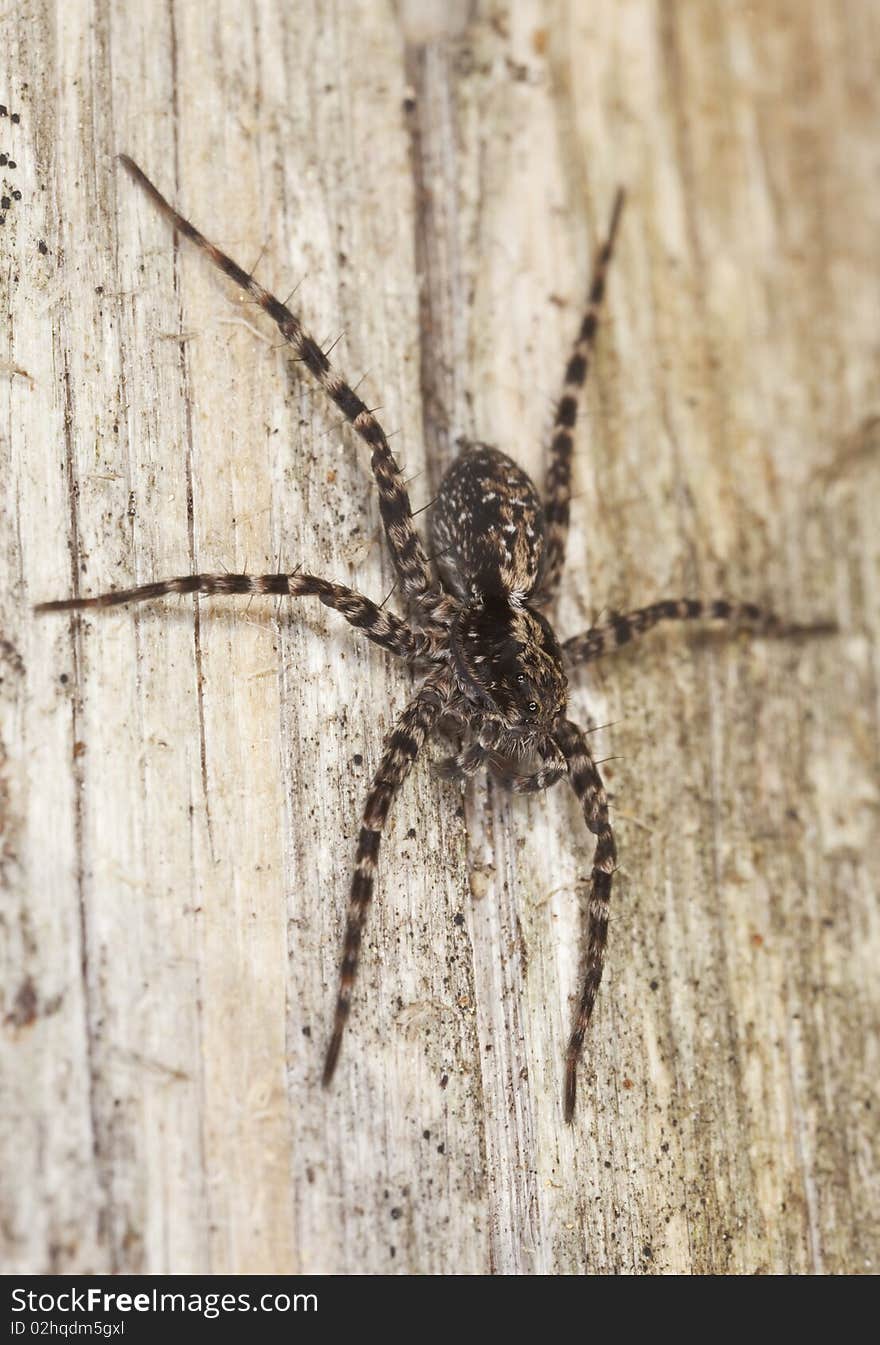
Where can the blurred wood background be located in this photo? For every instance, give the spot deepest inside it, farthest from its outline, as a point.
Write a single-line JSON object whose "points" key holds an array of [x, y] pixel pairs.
{"points": [[180, 790]]}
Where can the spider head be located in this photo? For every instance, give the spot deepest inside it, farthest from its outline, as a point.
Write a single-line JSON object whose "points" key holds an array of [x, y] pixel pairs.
{"points": [[509, 663]]}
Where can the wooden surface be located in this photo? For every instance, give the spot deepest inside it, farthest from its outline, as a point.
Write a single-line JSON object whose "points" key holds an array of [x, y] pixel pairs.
{"points": [[179, 794]]}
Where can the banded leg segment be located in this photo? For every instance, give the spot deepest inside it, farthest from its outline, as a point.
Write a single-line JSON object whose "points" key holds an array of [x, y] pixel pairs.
{"points": [[521, 783], [404, 743], [407, 552], [466, 763], [383, 628], [557, 492], [587, 785], [624, 627]]}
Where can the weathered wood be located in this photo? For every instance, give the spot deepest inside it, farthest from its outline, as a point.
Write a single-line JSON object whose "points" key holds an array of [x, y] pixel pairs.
{"points": [[179, 794]]}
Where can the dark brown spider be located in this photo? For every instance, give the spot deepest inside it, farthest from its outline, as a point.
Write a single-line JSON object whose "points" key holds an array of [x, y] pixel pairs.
{"points": [[497, 673]]}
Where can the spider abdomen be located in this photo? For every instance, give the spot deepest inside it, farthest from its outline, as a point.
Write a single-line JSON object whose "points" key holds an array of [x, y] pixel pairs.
{"points": [[488, 527]]}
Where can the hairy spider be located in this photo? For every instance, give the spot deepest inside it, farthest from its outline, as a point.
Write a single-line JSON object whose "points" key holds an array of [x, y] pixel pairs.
{"points": [[497, 675]]}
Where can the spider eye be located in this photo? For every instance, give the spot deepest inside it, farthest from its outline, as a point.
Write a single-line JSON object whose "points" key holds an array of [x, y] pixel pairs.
{"points": [[521, 677], [533, 706]]}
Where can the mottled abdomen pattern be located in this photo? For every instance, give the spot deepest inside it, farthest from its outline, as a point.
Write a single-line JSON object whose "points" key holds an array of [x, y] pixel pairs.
{"points": [[488, 527]]}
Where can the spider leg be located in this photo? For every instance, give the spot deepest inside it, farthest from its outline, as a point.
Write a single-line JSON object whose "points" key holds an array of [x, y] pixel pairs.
{"points": [[622, 628], [522, 783], [404, 543], [587, 785], [383, 628], [557, 489], [402, 747], [464, 765]]}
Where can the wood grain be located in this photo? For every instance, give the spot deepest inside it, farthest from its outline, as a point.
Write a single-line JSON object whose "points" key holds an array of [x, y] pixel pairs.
{"points": [[179, 791]]}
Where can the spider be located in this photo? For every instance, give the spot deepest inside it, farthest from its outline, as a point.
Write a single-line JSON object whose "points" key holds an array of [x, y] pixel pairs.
{"points": [[497, 676]]}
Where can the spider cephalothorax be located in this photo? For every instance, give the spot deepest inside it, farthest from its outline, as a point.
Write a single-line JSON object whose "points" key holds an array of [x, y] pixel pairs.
{"points": [[495, 670], [508, 663]]}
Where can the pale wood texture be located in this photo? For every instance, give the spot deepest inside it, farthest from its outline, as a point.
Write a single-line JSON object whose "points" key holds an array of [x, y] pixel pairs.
{"points": [[179, 795]]}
